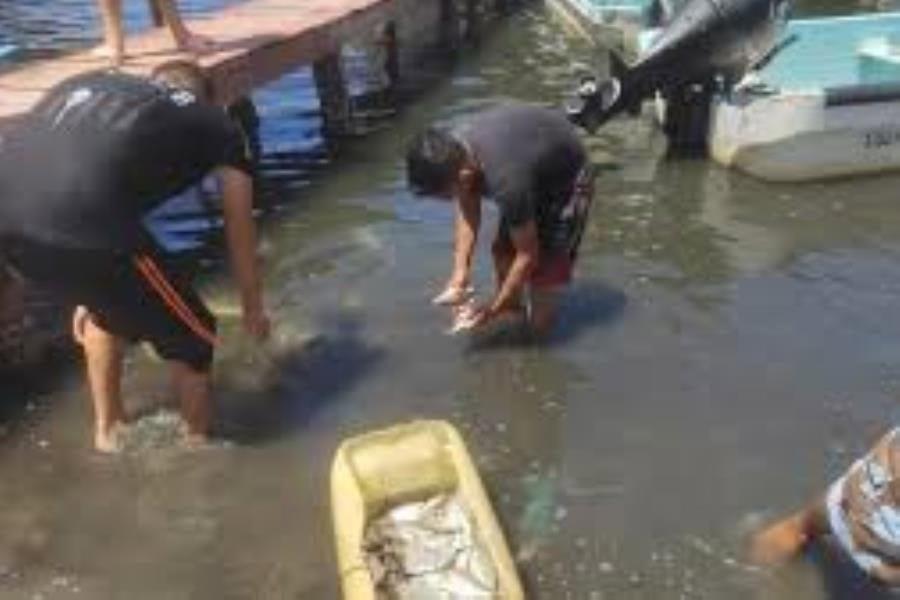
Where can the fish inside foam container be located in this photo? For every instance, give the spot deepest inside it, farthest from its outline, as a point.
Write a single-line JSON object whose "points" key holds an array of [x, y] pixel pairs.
{"points": [[429, 551]]}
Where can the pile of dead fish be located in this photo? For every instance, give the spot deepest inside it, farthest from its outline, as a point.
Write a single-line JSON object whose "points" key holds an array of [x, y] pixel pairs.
{"points": [[429, 551]]}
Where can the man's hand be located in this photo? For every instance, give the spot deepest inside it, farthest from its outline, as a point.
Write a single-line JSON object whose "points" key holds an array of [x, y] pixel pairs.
{"points": [[484, 315], [453, 294], [481, 316], [467, 316]]}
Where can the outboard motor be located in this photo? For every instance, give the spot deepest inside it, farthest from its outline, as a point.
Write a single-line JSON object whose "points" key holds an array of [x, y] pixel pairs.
{"points": [[660, 12], [707, 46]]}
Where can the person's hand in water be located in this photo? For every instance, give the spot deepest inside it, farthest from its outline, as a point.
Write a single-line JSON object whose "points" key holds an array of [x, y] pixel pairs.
{"points": [[471, 316], [464, 316]]}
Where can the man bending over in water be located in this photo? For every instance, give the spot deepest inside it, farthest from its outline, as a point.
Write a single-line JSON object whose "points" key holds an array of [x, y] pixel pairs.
{"points": [[99, 152], [531, 162], [861, 510]]}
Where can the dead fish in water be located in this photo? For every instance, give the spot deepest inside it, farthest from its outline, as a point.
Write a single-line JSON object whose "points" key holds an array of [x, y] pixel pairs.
{"points": [[703, 41]]}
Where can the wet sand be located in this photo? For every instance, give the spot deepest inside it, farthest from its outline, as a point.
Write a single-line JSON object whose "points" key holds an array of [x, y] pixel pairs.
{"points": [[729, 347]]}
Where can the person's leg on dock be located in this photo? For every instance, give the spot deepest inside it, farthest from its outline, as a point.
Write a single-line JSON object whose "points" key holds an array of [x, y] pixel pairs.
{"points": [[113, 46], [184, 38], [156, 14], [103, 353]]}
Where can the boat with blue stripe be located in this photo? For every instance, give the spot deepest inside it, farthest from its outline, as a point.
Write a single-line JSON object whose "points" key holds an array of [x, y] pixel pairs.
{"points": [[827, 105]]}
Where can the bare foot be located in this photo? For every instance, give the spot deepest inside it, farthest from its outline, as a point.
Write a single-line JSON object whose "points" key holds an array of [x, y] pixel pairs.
{"points": [[196, 44], [780, 542], [104, 51], [110, 441]]}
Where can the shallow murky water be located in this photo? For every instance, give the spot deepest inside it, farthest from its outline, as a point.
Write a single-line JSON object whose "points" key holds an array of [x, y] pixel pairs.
{"points": [[728, 348]]}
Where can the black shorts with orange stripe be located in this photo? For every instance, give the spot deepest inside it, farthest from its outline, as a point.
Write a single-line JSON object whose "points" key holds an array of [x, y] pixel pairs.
{"points": [[139, 297]]}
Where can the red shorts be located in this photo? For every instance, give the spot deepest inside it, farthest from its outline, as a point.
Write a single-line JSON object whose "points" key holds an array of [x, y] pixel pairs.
{"points": [[552, 272]]}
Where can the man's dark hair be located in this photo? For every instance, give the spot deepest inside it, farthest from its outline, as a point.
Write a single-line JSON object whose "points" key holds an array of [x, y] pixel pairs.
{"points": [[185, 75], [433, 161]]}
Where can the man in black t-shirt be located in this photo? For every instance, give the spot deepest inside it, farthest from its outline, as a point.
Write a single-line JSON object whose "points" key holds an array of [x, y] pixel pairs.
{"points": [[96, 154], [533, 165]]}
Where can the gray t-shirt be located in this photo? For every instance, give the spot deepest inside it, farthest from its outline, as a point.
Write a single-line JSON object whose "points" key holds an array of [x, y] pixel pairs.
{"points": [[530, 158]]}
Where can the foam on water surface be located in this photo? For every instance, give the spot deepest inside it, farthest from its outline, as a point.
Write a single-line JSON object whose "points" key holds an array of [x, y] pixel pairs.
{"points": [[163, 430]]}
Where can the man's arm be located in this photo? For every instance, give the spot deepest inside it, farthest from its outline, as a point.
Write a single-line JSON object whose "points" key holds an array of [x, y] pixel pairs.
{"points": [[527, 246], [465, 234], [240, 232], [468, 222]]}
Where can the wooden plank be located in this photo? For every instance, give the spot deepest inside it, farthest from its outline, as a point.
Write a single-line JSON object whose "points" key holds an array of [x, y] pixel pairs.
{"points": [[258, 41]]}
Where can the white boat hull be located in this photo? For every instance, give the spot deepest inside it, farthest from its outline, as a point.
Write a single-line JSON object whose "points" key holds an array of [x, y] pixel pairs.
{"points": [[798, 137]]}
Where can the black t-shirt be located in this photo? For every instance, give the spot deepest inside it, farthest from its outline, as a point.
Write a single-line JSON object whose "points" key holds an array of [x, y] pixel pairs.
{"points": [[530, 158], [100, 151]]}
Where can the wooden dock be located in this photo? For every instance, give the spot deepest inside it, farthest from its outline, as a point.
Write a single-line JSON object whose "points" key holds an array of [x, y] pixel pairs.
{"points": [[257, 42]]}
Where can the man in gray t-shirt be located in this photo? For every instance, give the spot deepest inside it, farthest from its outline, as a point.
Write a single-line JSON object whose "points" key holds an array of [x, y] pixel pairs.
{"points": [[530, 161]]}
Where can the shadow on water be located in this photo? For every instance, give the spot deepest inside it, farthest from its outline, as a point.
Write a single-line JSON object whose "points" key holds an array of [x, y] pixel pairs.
{"points": [[592, 304], [299, 381], [19, 389]]}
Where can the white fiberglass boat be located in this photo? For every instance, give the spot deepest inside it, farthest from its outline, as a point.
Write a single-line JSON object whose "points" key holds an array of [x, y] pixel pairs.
{"points": [[827, 106]]}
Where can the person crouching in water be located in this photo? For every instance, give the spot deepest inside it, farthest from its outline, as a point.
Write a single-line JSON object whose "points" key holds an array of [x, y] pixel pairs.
{"points": [[97, 153], [530, 161], [861, 510]]}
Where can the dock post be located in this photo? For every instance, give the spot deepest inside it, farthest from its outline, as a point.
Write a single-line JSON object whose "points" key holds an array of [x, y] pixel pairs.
{"points": [[334, 98], [391, 57], [449, 25], [473, 19], [156, 14]]}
